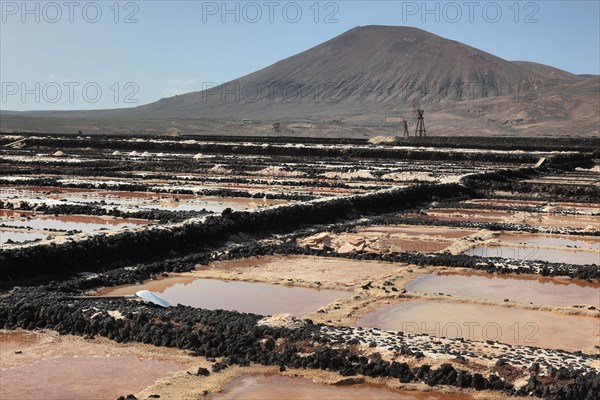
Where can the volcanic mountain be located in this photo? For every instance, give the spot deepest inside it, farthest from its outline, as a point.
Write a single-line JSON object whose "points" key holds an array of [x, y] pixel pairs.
{"points": [[369, 78], [366, 69]]}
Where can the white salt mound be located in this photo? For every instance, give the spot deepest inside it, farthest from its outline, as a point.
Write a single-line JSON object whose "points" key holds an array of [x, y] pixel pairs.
{"points": [[282, 321]]}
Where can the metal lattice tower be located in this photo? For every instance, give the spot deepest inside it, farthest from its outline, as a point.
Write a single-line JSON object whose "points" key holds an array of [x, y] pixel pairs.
{"points": [[277, 128], [420, 128]]}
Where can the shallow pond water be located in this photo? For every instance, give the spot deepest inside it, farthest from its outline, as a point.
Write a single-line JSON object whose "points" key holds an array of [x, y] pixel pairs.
{"points": [[262, 387], [84, 223], [537, 291], [567, 256], [579, 242], [82, 377], [257, 298], [566, 221], [449, 233], [478, 322], [136, 200], [19, 237]]}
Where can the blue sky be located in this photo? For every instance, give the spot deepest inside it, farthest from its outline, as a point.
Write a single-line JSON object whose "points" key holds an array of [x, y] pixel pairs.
{"points": [[108, 54]]}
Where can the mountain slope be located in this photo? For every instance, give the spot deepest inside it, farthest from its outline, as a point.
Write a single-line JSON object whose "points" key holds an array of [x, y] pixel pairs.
{"points": [[361, 70], [548, 72]]}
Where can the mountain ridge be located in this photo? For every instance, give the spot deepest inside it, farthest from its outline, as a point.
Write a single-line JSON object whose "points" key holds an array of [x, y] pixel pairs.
{"points": [[371, 65]]}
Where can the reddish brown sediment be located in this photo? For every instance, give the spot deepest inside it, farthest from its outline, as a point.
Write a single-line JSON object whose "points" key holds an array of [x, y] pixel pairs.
{"points": [[260, 387], [256, 298], [475, 322], [409, 230], [579, 242], [555, 204], [567, 256], [526, 290], [71, 367], [541, 279]]}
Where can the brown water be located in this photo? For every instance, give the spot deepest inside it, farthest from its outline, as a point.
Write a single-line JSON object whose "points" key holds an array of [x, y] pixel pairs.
{"points": [[579, 257], [84, 223], [141, 200], [499, 288], [581, 242], [267, 387], [583, 206], [460, 214], [450, 233], [82, 377], [534, 219], [567, 221], [257, 298], [174, 202], [28, 191], [19, 237], [478, 322]]}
